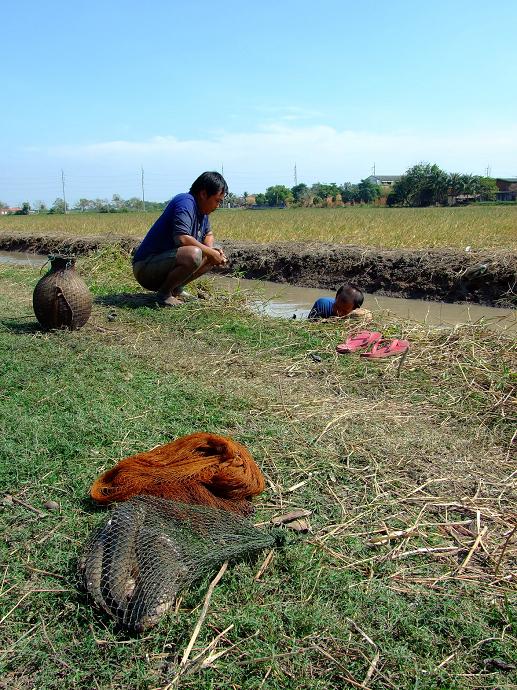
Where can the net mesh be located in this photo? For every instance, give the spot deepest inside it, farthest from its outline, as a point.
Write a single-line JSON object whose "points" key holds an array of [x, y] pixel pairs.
{"points": [[152, 548], [201, 468]]}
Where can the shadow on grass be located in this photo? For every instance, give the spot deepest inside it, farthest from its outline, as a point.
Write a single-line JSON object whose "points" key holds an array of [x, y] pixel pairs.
{"points": [[22, 327], [88, 505], [135, 300]]}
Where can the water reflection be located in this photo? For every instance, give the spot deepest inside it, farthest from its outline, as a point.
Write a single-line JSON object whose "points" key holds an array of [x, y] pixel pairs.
{"points": [[286, 301]]}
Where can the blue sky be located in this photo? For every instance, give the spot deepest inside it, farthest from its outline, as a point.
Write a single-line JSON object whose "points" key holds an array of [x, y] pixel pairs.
{"points": [[100, 89]]}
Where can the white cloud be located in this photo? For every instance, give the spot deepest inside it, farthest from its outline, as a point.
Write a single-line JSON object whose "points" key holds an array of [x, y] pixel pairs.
{"points": [[254, 160]]}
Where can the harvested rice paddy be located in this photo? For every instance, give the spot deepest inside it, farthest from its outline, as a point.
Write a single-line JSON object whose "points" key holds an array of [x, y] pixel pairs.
{"points": [[487, 227]]}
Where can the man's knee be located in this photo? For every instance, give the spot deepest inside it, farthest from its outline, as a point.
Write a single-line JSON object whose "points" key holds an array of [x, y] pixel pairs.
{"points": [[198, 257], [192, 256]]}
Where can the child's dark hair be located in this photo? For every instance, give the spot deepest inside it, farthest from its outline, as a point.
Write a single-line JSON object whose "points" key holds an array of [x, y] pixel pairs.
{"points": [[351, 293], [211, 182]]}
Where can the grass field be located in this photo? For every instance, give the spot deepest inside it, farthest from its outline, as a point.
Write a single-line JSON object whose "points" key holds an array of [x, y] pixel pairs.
{"points": [[480, 227], [423, 457]]}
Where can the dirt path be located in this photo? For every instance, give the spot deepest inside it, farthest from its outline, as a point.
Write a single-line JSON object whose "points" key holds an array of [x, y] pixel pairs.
{"points": [[483, 277]]}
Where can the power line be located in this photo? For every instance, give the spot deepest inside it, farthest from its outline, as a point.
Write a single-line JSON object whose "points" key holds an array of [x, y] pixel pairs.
{"points": [[63, 183]]}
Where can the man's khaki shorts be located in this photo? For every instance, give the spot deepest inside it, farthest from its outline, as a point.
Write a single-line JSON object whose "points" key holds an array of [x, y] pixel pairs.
{"points": [[152, 272]]}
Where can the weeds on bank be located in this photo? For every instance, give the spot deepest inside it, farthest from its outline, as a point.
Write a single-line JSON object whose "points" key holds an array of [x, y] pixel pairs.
{"points": [[406, 578]]}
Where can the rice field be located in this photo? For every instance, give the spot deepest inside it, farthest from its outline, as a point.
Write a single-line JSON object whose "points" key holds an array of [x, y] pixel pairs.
{"points": [[492, 227]]}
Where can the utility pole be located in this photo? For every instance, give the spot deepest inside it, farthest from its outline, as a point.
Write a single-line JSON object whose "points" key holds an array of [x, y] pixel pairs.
{"points": [[63, 185], [373, 169], [295, 176], [488, 170], [222, 169], [143, 192]]}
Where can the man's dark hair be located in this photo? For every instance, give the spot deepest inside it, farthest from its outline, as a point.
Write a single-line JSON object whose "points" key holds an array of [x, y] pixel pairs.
{"points": [[211, 182], [351, 293]]}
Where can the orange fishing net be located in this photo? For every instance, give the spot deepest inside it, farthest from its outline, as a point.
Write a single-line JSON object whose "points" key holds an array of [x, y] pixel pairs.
{"points": [[200, 468]]}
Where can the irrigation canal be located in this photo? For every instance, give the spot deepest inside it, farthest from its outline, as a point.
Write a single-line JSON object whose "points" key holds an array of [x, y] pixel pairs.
{"points": [[286, 301]]}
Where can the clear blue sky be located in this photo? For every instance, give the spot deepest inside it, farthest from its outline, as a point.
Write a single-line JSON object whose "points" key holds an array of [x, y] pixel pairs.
{"points": [[100, 89]]}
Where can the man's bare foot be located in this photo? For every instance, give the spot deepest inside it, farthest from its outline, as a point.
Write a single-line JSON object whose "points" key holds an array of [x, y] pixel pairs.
{"points": [[169, 301], [183, 295]]}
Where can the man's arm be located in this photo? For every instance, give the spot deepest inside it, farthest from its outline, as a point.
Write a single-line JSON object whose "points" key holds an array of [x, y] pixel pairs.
{"points": [[209, 241], [215, 255]]}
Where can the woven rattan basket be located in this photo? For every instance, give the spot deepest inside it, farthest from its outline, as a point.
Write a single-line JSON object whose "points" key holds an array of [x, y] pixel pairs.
{"points": [[61, 298]]}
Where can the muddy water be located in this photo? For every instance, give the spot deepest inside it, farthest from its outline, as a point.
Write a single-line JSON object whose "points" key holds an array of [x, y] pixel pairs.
{"points": [[23, 258], [283, 300]]}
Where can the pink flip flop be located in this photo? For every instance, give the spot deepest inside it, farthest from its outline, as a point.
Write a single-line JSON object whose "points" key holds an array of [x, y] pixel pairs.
{"points": [[358, 341], [387, 348]]}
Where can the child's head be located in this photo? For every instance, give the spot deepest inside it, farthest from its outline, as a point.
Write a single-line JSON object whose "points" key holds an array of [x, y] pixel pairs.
{"points": [[348, 298]]}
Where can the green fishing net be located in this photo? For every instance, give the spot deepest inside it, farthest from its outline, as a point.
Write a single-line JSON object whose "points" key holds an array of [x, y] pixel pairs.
{"points": [[152, 548]]}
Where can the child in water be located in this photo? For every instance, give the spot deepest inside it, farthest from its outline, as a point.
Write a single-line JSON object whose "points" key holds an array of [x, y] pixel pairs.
{"points": [[348, 297]]}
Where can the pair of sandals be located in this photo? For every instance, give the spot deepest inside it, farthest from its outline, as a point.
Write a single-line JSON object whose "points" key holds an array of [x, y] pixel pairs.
{"points": [[379, 347]]}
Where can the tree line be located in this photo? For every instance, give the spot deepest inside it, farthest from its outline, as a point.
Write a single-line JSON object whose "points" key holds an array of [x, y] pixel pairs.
{"points": [[116, 205], [424, 184], [318, 194]]}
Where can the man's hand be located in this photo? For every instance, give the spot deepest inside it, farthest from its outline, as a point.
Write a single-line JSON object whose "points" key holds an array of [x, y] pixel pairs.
{"points": [[216, 256], [225, 260]]}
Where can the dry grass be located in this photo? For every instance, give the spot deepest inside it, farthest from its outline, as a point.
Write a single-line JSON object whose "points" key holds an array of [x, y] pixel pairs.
{"points": [[408, 572], [478, 226]]}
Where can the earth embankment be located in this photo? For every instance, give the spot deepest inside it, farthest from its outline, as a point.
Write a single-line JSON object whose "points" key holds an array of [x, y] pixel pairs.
{"points": [[483, 276]]}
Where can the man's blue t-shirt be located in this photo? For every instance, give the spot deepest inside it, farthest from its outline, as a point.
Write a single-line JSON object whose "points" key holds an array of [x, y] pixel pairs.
{"points": [[322, 308], [181, 217]]}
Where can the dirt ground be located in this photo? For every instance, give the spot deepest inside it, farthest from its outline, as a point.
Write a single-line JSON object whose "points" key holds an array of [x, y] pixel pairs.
{"points": [[484, 277]]}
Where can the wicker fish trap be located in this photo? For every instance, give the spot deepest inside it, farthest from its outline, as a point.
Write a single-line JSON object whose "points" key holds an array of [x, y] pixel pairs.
{"points": [[61, 298], [152, 548]]}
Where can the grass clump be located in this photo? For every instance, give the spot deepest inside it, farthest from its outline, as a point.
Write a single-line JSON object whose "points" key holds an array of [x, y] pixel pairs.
{"points": [[406, 578]]}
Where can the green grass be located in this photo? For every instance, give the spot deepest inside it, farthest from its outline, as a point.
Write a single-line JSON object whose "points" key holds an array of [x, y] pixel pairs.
{"points": [[478, 226], [429, 448]]}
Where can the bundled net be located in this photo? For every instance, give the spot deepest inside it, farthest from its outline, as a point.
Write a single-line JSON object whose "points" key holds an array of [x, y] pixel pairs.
{"points": [[152, 548], [201, 468]]}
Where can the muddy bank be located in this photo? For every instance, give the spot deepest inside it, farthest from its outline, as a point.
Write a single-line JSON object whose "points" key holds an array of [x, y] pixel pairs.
{"points": [[482, 277]]}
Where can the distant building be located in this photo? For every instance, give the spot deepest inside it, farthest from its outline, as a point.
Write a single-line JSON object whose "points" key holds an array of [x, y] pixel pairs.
{"points": [[384, 180], [507, 187], [7, 211]]}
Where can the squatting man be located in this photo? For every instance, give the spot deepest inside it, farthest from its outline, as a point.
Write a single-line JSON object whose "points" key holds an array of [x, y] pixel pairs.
{"points": [[179, 247]]}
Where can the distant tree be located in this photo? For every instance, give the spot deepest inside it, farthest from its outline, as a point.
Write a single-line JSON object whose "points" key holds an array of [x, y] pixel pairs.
{"points": [[456, 184], [134, 204], [260, 200], [3, 205], [58, 206], [324, 190], [299, 192], [422, 185], [39, 206], [368, 191], [302, 194], [392, 199], [84, 204], [25, 209], [487, 188], [117, 202], [470, 184], [231, 200], [101, 205], [278, 195], [349, 193]]}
